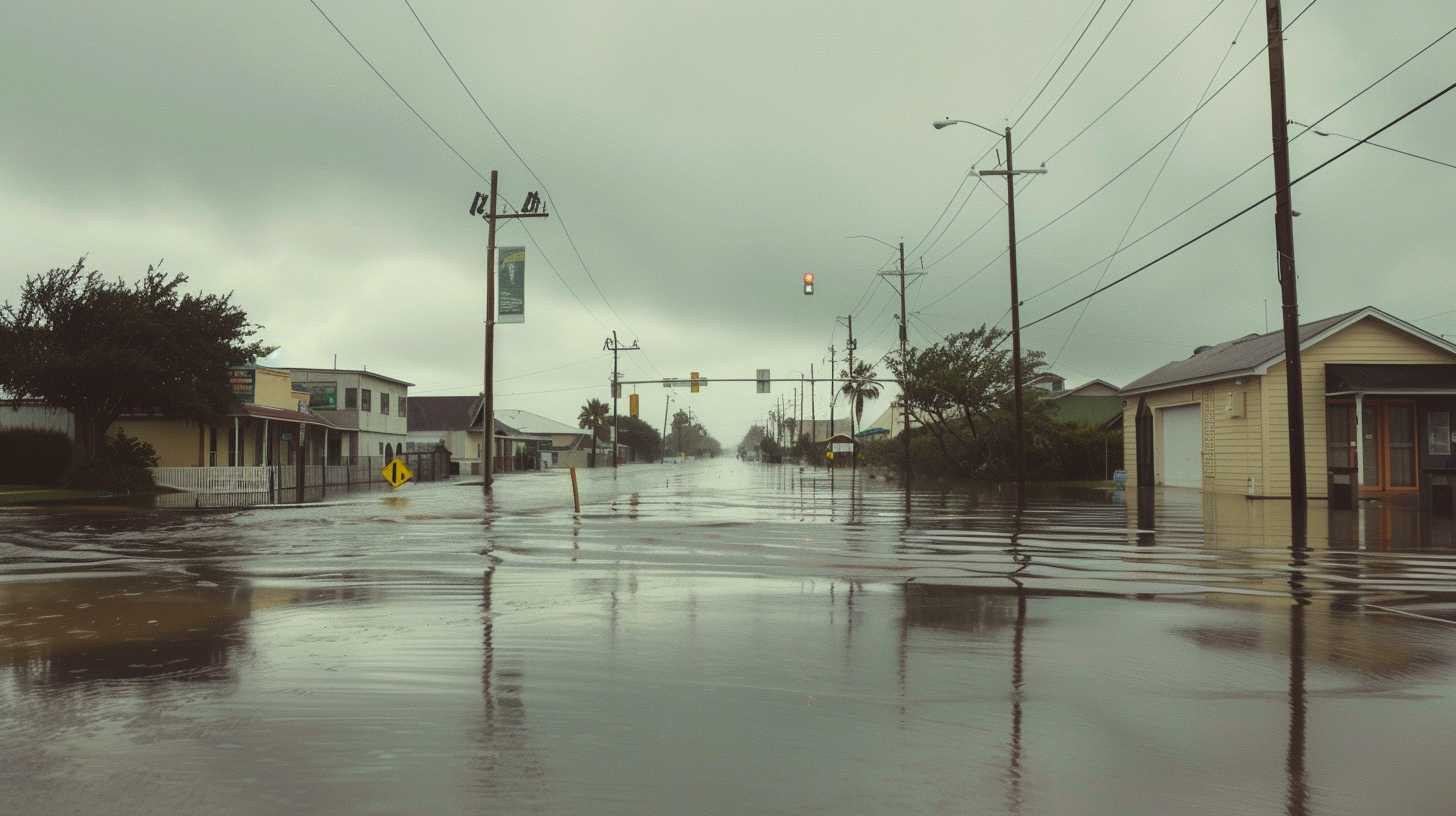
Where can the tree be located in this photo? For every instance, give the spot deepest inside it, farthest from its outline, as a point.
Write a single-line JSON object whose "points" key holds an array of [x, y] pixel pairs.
{"points": [[593, 417], [859, 385], [100, 347], [960, 389], [644, 439]]}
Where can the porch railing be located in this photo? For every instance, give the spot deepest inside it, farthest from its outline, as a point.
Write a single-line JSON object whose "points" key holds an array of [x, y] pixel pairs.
{"points": [[362, 471]]}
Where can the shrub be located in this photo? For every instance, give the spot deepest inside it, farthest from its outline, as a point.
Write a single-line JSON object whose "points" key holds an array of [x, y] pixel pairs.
{"points": [[34, 456], [120, 466]]}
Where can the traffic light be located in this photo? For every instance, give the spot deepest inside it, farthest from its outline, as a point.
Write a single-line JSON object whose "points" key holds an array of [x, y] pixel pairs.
{"points": [[695, 383], [808, 283], [632, 405]]}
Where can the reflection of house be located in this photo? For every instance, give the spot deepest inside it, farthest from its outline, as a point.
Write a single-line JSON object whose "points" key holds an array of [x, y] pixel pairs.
{"points": [[372, 405], [269, 424], [1092, 403], [1379, 394]]}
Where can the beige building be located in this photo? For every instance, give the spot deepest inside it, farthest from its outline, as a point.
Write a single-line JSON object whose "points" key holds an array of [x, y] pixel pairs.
{"points": [[270, 424], [1379, 394]]}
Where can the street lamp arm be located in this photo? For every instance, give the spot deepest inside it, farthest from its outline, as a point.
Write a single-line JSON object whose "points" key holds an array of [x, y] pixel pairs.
{"points": [[944, 123], [872, 238]]}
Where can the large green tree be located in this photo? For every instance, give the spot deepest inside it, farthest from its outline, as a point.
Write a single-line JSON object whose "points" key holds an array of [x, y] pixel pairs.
{"points": [[645, 441], [593, 417], [100, 347]]}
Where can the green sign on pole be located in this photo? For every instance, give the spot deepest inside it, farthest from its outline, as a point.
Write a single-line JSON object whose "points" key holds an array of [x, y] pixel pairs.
{"points": [[511, 285]]}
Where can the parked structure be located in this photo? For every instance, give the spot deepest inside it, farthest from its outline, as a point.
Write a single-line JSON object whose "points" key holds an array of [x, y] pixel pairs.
{"points": [[370, 405], [1383, 425]]}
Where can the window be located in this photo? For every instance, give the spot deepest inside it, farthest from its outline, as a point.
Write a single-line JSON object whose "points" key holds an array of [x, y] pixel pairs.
{"points": [[384, 403], [351, 399], [401, 404], [381, 448], [366, 404]]}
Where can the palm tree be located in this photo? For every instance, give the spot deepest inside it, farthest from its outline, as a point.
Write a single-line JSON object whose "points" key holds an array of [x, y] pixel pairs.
{"points": [[859, 385], [593, 417]]}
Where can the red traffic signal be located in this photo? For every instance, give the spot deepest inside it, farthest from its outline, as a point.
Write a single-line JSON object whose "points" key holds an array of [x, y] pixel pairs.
{"points": [[808, 283]]}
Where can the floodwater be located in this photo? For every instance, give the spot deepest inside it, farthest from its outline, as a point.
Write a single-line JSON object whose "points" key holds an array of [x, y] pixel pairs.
{"points": [[724, 637]]}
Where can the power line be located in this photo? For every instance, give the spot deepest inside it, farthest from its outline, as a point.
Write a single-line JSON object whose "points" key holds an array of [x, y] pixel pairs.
{"points": [[1225, 222], [446, 143], [1065, 57], [1080, 71], [522, 159], [1140, 80], [1162, 168], [1220, 188]]}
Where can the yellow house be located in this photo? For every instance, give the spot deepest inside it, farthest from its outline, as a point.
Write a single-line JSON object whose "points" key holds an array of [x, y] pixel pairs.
{"points": [[269, 424], [1379, 395]]}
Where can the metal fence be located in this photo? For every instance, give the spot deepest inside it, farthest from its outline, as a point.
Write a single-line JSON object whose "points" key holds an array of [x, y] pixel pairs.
{"points": [[273, 481]]}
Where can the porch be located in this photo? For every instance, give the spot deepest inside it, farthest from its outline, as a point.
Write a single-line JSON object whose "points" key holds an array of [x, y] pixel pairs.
{"points": [[1388, 433]]}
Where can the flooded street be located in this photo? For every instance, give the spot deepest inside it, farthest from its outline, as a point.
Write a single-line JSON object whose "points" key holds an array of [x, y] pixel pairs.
{"points": [[726, 638]]}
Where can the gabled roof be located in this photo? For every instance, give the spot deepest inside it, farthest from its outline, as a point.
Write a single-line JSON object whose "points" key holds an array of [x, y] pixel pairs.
{"points": [[442, 413], [1067, 392], [1254, 354], [530, 423]]}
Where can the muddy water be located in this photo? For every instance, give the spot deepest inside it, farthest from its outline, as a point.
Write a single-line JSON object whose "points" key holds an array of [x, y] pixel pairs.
{"points": [[727, 638]]}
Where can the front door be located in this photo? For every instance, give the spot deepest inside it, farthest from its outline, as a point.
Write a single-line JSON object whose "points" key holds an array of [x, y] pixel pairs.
{"points": [[1388, 446]]}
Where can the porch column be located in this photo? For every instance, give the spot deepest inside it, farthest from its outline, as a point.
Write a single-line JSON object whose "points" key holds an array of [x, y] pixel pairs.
{"points": [[267, 443], [235, 459], [1359, 443], [326, 446]]}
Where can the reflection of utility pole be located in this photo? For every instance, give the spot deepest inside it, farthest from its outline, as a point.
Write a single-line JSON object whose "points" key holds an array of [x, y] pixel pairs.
{"points": [[611, 344], [813, 415], [830, 438], [662, 455], [485, 207]]}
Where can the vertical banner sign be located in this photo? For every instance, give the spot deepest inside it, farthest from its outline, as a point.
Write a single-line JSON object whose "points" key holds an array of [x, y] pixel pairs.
{"points": [[511, 285]]}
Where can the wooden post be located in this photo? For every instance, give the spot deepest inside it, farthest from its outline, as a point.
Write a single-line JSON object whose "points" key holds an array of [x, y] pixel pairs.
{"points": [[575, 493]]}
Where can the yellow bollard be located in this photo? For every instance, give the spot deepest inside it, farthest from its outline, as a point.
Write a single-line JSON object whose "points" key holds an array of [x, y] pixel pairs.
{"points": [[575, 495]]}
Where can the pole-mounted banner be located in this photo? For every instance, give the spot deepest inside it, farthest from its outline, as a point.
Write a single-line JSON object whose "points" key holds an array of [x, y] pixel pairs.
{"points": [[511, 285]]}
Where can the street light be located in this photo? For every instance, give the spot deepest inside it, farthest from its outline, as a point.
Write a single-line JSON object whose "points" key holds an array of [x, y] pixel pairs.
{"points": [[1010, 172]]}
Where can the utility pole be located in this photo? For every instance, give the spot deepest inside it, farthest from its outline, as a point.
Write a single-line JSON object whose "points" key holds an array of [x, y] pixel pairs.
{"points": [[904, 339], [1288, 288], [799, 420], [830, 438], [662, 455], [611, 344], [813, 414], [486, 208], [1010, 173]]}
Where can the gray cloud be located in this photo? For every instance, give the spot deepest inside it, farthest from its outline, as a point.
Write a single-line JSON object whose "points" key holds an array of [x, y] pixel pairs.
{"points": [[704, 156]]}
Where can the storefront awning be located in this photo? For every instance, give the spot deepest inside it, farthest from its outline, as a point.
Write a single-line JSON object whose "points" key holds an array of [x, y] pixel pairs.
{"points": [[1398, 378]]}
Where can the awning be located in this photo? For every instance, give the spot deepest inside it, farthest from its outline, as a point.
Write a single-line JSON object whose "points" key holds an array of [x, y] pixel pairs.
{"points": [[284, 415], [1395, 378]]}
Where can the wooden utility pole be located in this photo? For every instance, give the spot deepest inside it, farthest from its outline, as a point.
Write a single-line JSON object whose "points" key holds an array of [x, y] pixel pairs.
{"points": [[829, 440], [813, 414], [904, 340], [1288, 288], [1016, 376], [611, 344], [485, 207]]}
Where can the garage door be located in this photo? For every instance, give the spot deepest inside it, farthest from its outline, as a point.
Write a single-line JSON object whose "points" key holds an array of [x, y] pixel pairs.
{"points": [[1182, 447]]}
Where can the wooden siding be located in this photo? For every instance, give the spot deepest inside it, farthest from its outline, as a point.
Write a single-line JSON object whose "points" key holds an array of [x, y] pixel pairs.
{"points": [[1369, 341]]}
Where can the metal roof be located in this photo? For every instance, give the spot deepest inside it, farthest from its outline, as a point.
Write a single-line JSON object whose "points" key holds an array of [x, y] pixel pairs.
{"points": [[1253, 354], [527, 422]]}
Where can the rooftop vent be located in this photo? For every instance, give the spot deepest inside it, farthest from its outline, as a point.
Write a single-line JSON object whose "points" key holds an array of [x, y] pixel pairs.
{"points": [[1200, 350]]}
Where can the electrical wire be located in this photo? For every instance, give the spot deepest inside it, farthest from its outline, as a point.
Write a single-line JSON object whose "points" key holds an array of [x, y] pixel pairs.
{"points": [[560, 218], [1167, 159], [1060, 65], [1078, 75], [1246, 210], [1376, 144]]}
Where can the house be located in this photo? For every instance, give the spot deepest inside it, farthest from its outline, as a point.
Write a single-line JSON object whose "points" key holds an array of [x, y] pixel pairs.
{"points": [[1048, 382], [562, 440], [1094, 403], [374, 407], [456, 423], [1379, 394], [269, 423]]}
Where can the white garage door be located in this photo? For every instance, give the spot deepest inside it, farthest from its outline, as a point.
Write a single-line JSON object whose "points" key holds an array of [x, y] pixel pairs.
{"points": [[1182, 447]]}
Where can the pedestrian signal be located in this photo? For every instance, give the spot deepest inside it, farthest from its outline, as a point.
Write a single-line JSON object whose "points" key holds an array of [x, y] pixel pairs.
{"points": [[808, 283]]}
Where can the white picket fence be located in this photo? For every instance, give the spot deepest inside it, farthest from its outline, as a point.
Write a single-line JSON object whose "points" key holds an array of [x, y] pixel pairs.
{"points": [[213, 479]]}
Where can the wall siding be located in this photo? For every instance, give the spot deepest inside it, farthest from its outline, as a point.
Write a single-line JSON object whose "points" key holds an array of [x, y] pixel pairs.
{"points": [[1369, 341]]}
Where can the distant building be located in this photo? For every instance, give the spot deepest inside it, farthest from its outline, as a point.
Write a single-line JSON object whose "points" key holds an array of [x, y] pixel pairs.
{"points": [[456, 423], [373, 406], [1094, 403], [1047, 381]]}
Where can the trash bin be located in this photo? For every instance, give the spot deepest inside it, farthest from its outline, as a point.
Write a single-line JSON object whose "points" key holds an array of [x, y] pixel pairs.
{"points": [[1342, 488]]}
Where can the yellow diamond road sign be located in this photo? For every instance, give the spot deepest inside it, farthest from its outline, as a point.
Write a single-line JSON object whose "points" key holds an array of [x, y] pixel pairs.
{"points": [[397, 472]]}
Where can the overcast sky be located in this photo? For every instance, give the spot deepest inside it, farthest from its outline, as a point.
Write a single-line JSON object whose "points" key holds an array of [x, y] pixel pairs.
{"points": [[704, 155]]}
